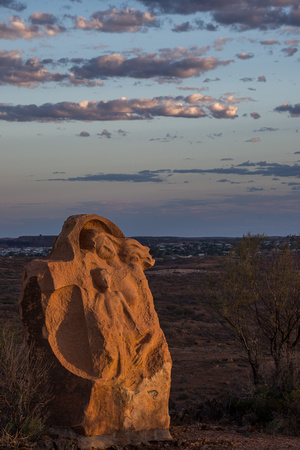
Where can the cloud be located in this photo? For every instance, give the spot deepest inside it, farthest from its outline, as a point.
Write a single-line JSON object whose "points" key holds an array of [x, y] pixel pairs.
{"points": [[11, 4], [261, 79], [214, 135], [292, 42], [48, 21], [286, 107], [183, 27], [84, 134], [39, 18], [71, 80], [120, 109], [273, 169], [231, 99], [255, 115], [192, 106], [253, 140], [41, 24], [246, 169], [169, 64], [254, 189], [245, 55], [246, 79], [245, 15], [167, 138], [290, 30], [269, 42], [177, 7], [289, 51], [177, 53], [106, 134], [224, 180], [222, 111], [17, 71], [140, 177], [220, 42], [195, 89], [16, 29], [196, 98], [209, 80], [249, 169], [201, 25], [117, 21], [263, 129]]}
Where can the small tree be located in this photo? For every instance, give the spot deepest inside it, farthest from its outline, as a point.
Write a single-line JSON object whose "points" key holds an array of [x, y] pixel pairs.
{"points": [[259, 298]]}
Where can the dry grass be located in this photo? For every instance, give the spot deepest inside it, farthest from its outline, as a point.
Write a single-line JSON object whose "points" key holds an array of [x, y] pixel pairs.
{"points": [[23, 405]]}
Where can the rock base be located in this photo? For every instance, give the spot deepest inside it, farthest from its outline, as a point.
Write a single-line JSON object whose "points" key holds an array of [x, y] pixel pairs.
{"points": [[119, 438]]}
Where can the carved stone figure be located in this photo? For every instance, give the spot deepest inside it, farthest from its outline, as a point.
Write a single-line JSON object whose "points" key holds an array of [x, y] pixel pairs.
{"points": [[89, 311]]}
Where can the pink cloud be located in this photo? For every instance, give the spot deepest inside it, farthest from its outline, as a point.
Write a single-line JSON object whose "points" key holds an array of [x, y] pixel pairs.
{"points": [[253, 140], [117, 21]]}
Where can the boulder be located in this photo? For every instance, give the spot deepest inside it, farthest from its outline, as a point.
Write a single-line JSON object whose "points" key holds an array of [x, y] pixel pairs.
{"points": [[88, 311]]}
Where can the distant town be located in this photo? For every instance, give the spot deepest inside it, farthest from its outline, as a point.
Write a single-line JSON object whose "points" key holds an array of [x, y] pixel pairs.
{"points": [[165, 247]]}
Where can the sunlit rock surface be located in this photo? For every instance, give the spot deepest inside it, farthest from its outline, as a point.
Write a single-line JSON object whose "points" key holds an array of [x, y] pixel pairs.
{"points": [[89, 311]]}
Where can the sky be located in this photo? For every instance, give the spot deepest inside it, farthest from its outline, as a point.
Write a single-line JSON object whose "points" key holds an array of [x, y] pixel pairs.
{"points": [[168, 117]]}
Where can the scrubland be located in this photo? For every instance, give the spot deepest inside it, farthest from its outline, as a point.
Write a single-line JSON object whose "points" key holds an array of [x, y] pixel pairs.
{"points": [[213, 401]]}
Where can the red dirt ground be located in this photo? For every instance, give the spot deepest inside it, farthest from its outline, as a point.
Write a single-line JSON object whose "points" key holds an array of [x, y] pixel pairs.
{"points": [[207, 361]]}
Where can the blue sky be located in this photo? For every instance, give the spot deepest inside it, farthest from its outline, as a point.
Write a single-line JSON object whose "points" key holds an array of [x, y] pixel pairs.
{"points": [[166, 117]]}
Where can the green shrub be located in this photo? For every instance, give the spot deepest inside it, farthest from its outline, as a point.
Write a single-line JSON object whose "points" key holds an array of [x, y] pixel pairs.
{"points": [[274, 410]]}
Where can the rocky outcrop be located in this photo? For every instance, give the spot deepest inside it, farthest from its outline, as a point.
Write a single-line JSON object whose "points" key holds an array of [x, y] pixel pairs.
{"points": [[89, 312]]}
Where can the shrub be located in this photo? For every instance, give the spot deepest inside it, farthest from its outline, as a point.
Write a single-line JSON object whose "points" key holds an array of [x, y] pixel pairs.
{"points": [[258, 295], [273, 410], [23, 405]]}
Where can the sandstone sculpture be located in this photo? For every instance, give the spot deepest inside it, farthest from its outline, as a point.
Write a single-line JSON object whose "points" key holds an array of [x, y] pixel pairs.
{"points": [[89, 311]]}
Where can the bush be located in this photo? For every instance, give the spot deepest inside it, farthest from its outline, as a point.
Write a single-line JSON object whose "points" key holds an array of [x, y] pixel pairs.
{"points": [[258, 295], [275, 411], [23, 406]]}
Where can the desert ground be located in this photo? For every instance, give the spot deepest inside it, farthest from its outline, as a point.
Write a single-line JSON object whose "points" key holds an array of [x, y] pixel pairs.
{"points": [[208, 364]]}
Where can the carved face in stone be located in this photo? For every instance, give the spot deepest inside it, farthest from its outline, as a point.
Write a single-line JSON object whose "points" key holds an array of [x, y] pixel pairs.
{"points": [[107, 296], [108, 247], [101, 279], [133, 253], [104, 246]]}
